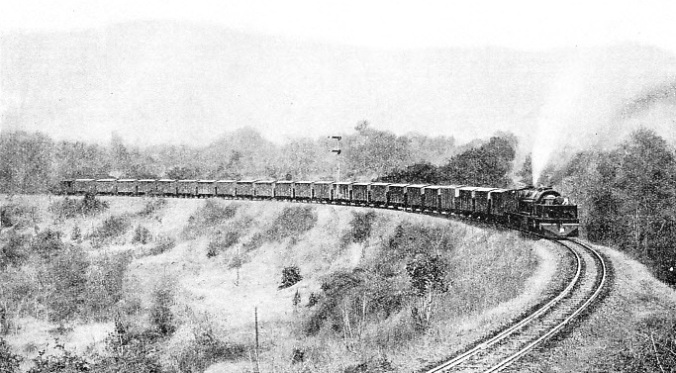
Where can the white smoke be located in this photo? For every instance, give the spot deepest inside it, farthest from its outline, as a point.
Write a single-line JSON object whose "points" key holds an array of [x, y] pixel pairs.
{"points": [[581, 109]]}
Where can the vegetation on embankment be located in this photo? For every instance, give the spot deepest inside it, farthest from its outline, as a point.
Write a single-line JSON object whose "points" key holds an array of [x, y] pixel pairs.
{"points": [[151, 285]]}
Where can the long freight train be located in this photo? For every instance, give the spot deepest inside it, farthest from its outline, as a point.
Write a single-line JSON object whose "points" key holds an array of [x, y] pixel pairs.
{"points": [[539, 210]]}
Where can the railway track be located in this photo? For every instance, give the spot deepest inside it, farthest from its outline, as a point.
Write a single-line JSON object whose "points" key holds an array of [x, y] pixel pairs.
{"points": [[505, 348]]}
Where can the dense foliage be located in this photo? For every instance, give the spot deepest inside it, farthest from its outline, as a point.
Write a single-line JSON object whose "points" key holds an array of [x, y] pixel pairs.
{"points": [[627, 198], [486, 165]]}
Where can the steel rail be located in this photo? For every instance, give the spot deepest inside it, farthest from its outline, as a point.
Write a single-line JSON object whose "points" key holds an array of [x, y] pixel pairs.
{"points": [[601, 279], [516, 327]]}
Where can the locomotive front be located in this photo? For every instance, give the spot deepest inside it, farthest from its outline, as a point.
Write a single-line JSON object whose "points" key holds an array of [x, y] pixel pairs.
{"points": [[546, 212]]}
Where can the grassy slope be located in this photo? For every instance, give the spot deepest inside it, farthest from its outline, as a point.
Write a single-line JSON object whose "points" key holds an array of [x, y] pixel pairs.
{"points": [[208, 288]]}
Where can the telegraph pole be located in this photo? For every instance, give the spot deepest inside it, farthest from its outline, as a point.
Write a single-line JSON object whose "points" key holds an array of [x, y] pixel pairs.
{"points": [[337, 151]]}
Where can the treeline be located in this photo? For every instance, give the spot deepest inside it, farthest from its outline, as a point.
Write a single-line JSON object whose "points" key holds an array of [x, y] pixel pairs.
{"points": [[34, 163], [487, 165], [627, 198]]}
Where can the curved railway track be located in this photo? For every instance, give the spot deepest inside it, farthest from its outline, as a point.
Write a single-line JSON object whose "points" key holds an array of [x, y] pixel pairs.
{"points": [[505, 348]]}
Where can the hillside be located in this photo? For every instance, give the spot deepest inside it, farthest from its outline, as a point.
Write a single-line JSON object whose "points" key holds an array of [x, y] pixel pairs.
{"points": [[215, 261], [174, 285]]}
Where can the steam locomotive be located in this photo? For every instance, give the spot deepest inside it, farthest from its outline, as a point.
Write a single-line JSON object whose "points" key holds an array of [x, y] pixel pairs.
{"points": [[542, 210]]}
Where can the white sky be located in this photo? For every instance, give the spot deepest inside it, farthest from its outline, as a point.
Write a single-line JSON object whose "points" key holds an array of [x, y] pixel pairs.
{"points": [[391, 24]]}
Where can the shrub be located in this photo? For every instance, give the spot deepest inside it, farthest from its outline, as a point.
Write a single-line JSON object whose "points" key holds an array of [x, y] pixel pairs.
{"points": [[236, 262], [410, 239], [254, 243], [161, 316], [65, 362], [18, 215], [222, 242], [210, 215], [360, 227], [18, 288], [427, 274], [76, 234], [14, 250], [162, 244], [298, 356], [291, 222], [9, 362], [111, 227], [67, 274], [48, 244], [129, 350], [290, 276], [152, 205], [379, 365], [206, 349], [69, 208], [312, 300], [141, 235], [105, 282]]}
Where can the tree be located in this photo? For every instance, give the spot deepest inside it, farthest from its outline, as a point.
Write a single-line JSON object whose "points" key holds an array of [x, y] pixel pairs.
{"points": [[487, 165], [427, 274], [372, 152]]}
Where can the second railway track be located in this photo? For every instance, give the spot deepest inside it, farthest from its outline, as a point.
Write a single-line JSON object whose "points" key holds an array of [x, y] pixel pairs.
{"points": [[505, 348]]}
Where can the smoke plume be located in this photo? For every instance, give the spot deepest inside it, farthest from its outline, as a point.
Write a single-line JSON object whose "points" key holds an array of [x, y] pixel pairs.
{"points": [[598, 98]]}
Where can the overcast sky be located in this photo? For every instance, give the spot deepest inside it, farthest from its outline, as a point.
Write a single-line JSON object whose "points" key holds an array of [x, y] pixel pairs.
{"points": [[381, 23], [312, 67]]}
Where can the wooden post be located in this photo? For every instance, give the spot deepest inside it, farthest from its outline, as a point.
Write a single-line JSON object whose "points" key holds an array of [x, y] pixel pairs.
{"points": [[256, 324]]}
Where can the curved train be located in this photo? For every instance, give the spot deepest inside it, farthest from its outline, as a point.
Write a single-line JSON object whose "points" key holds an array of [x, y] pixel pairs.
{"points": [[542, 211]]}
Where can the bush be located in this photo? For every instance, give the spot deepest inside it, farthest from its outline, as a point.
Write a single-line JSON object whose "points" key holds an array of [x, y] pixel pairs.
{"points": [[65, 362], [292, 222], [141, 235], [379, 365], [162, 244], [69, 208], [312, 300], [14, 250], [206, 349], [210, 215], [48, 244], [128, 350], [153, 205], [161, 316], [17, 215], [222, 242], [290, 276], [254, 243], [105, 282], [76, 234], [67, 274], [9, 362], [360, 227], [110, 228]]}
